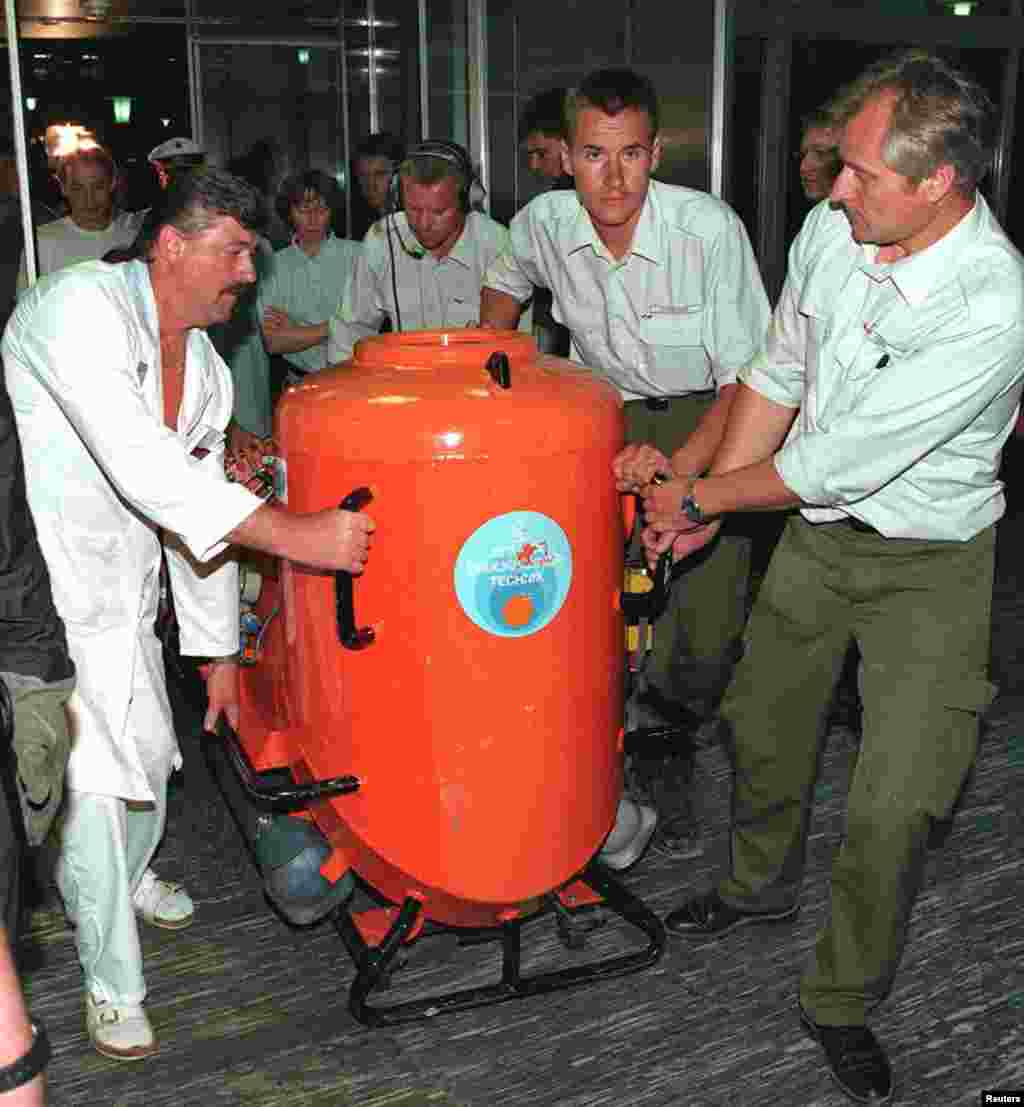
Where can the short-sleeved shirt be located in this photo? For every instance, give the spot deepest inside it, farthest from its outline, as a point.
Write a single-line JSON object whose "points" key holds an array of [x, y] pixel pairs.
{"points": [[907, 376], [309, 290], [682, 312], [432, 292]]}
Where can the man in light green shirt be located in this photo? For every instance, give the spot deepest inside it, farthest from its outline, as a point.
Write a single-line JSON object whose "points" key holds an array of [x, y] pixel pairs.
{"points": [[661, 294], [889, 380]]}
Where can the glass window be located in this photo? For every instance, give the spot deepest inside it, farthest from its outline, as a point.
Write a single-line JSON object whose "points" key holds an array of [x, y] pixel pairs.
{"points": [[271, 110]]}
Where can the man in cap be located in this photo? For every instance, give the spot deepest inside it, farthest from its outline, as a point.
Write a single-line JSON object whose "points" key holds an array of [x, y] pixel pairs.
{"points": [[176, 155]]}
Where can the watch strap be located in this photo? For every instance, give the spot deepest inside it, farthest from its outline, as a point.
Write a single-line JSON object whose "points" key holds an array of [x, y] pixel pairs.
{"points": [[28, 1065], [689, 506]]}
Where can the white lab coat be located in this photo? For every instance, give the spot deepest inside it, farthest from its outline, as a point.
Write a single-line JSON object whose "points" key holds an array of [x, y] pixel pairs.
{"points": [[82, 359]]}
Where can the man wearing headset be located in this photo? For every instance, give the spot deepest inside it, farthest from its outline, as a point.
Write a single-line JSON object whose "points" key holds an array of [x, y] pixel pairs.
{"points": [[422, 266]]}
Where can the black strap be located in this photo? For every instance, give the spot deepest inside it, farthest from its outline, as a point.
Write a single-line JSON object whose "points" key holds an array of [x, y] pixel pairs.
{"points": [[30, 1064]]}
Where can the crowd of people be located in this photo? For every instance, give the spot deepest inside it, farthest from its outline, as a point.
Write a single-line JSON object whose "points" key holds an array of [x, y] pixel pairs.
{"points": [[871, 406]]}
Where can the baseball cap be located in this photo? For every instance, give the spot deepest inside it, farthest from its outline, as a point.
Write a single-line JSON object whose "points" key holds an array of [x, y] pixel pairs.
{"points": [[174, 148]]}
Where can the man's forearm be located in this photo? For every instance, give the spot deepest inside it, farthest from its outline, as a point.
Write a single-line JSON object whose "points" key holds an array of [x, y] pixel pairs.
{"points": [[270, 529], [742, 475], [756, 487], [698, 451], [499, 310], [295, 339], [15, 1030], [756, 428]]}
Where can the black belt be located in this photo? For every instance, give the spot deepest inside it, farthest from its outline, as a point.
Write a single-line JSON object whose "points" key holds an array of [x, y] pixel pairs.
{"points": [[858, 525], [663, 403]]}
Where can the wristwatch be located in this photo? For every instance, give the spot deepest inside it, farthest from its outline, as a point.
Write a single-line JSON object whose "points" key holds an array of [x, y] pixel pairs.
{"points": [[28, 1065], [689, 506]]}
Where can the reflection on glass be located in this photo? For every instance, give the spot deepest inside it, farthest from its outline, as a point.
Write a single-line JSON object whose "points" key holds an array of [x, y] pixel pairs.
{"points": [[268, 113]]}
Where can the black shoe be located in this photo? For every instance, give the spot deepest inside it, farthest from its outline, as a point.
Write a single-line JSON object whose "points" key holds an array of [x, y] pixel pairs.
{"points": [[678, 837], [856, 1060], [708, 916]]}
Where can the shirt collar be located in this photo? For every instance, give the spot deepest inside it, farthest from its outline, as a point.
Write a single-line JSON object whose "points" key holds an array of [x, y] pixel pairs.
{"points": [[327, 238], [140, 287], [648, 238], [462, 249], [916, 276]]}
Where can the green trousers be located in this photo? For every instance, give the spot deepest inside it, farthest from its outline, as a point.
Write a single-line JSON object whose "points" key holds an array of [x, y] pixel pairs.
{"points": [[695, 638], [920, 612]]}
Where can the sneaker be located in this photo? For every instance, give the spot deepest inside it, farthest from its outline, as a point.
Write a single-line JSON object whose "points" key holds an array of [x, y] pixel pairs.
{"points": [[162, 903], [119, 1030], [629, 837]]}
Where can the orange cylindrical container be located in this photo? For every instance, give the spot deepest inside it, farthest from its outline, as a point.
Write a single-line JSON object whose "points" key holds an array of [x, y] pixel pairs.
{"points": [[483, 720]]}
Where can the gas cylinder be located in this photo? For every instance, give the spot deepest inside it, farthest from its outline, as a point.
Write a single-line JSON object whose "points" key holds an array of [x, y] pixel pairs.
{"points": [[477, 699]]}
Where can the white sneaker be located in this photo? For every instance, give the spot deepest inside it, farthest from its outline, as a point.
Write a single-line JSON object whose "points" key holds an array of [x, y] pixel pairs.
{"points": [[162, 903], [629, 837], [118, 1030]]}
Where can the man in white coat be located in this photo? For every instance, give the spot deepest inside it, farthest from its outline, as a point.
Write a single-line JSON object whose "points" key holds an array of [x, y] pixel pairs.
{"points": [[121, 404]]}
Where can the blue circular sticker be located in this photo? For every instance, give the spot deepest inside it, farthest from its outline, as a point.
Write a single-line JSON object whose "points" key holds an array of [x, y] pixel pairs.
{"points": [[513, 573]]}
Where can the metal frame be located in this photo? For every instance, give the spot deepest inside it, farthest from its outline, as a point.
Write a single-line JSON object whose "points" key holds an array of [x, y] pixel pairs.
{"points": [[374, 963], [424, 54], [772, 168], [479, 136], [346, 130], [371, 65], [20, 145], [721, 98]]}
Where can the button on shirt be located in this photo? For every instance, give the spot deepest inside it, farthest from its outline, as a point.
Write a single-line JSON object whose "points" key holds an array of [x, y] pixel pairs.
{"points": [[309, 289], [680, 313], [432, 292], [907, 376]]}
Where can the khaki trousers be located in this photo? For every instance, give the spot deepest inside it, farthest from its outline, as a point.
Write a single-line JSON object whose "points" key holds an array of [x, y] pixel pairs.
{"points": [[920, 612], [692, 656]]}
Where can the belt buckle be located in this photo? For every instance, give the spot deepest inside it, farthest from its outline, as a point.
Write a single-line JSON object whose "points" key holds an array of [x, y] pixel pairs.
{"points": [[657, 403]]}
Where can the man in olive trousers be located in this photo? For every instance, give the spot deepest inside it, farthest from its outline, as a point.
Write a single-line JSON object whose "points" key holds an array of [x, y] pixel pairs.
{"points": [[878, 406]]}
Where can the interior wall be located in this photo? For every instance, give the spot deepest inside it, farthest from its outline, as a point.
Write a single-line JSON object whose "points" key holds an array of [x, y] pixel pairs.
{"points": [[540, 44]]}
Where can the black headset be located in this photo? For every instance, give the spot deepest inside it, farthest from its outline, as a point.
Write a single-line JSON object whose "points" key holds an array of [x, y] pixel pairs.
{"points": [[443, 150]]}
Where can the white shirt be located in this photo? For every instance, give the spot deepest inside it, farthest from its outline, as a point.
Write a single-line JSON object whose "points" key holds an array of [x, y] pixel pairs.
{"points": [[64, 242], [680, 313], [907, 375], [433, 293], [103, 472]]}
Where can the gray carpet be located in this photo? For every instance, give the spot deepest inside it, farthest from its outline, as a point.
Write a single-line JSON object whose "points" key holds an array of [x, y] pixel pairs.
{"points": [[251, 1012]]}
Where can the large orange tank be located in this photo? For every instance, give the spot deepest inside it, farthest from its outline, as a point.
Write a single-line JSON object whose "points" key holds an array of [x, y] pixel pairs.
{"points": [[483, 721]]}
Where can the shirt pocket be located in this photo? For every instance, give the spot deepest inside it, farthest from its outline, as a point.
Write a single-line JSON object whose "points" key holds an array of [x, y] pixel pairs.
{"points": [[673, 336], [97, 565]]}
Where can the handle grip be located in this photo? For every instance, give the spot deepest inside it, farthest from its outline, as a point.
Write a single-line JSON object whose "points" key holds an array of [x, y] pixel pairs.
{"points": [[351, 636]]}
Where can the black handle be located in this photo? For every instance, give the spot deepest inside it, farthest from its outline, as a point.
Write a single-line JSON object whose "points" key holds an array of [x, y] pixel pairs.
{"points": [[288, 798], [351, 636], [498, 367]]}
